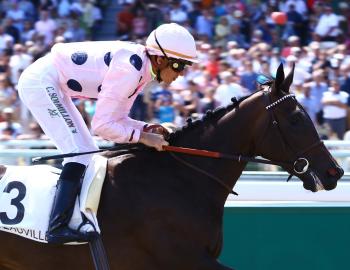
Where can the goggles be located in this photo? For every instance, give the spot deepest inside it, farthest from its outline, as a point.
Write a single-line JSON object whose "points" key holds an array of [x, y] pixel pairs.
{"points": [[177, 65]]}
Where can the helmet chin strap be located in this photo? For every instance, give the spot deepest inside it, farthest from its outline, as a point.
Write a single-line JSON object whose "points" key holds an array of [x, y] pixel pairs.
{"points": [[159, 78], [157, 74]]}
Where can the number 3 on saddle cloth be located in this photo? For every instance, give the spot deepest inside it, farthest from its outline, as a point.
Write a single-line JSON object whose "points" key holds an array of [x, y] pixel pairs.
{"points": [[27, 194]]}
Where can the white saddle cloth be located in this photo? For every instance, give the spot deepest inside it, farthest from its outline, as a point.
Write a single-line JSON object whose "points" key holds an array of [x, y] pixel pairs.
{"points": [[27, 194]]}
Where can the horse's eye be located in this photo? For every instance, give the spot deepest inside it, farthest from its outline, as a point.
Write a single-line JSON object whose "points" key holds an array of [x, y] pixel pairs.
{"points": [[295, 118]]}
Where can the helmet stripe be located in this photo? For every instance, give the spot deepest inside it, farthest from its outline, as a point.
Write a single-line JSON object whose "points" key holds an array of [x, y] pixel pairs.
{"points": [[180, 55]]}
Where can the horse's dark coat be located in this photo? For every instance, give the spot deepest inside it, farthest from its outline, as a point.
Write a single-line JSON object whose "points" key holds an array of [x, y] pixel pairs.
{"points": [[157, 214]]}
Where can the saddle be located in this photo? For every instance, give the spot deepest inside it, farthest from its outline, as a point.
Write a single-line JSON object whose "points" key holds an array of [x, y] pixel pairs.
{"points": [[27, 193]]}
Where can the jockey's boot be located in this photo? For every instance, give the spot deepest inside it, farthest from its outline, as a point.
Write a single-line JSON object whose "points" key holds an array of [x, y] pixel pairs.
{"points": [[68, 187]]}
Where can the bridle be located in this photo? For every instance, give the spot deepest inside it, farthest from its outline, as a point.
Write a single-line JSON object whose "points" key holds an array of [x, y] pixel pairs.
{"points": [[300, 164]]}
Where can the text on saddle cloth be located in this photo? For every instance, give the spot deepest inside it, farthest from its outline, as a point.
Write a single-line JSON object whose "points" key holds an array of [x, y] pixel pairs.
{"points": [[27, 194]]}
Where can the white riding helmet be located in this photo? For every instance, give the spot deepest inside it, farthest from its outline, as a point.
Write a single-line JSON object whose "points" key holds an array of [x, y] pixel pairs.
{"points": [[173, 40]]}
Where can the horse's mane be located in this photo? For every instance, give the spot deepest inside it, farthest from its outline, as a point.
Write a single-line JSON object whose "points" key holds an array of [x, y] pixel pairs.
{"points": [[209, 117]]}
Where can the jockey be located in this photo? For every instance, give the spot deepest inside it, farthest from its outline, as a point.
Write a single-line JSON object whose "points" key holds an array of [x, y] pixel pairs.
{"points": [[113, 72]]}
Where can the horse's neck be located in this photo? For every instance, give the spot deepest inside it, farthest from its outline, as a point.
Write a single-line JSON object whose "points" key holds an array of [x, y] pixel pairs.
{"points": [[232, 134]]}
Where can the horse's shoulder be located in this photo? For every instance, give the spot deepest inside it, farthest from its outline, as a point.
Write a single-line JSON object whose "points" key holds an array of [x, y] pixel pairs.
{"points": [[116, 161]]}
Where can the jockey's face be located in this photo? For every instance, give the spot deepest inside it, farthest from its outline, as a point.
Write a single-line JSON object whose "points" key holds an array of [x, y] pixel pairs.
{"points": [[168, 74], [166, 71]]}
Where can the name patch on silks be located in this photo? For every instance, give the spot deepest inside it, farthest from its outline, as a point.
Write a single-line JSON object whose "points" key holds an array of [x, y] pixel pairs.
{"points": [[28, 233], [27, 194]]}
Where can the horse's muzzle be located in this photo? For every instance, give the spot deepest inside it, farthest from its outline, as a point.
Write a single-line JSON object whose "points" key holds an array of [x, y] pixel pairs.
{"points": [[333, 175]]}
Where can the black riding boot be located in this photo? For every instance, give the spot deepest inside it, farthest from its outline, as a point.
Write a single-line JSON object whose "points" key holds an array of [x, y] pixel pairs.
{"points": [[68, 187]]}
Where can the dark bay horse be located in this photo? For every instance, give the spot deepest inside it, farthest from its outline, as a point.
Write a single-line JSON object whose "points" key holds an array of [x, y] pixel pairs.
{"points": [[165, 211]]}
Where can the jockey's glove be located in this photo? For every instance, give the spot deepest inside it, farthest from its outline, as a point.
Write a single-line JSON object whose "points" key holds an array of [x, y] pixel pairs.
{"points": [[153, 140]]}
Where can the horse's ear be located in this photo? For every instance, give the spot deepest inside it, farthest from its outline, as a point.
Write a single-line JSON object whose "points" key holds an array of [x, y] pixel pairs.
{"points": [[288, 80], [279, 79], [279, 75]]}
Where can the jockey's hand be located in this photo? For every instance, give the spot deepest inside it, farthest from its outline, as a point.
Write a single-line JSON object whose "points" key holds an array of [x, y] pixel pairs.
{"points": [[157, 129], [153, 140]]}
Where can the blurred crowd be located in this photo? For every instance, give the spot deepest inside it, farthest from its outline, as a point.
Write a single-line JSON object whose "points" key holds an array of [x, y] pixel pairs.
{"points": [[237, 41]]}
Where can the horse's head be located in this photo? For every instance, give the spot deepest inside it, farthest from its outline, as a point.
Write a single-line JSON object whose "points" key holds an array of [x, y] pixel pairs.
{"points": [[291, 138]]}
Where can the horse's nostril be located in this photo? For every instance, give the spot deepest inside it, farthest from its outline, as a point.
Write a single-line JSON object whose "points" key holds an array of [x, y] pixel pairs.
{"points": [[335, 172], [332, 171]]}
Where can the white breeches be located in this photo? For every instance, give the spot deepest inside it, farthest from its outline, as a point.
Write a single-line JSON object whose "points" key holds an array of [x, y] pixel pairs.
{"points": [[39, 90]]}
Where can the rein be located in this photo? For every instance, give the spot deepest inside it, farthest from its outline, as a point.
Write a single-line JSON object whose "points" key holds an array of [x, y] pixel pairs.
{"points": [[219, 155]]}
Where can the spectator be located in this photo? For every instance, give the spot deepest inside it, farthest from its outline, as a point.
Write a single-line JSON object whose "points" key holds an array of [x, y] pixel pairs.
{"points": [[205, 25], [12, 30], [190, 97], [159, 93], [294, 22], [212, 66], [18, 62], [292, 41], [228, 88], [34, 133], [266, 31], [47, 5], [248, 77], [327, 28], [154, 17], [46, 27], [6, 40], [64, 8], [8, 95], [345, 83], [236, 35], [85, 11], [16, 15], [28, 32], [124, 21], [166, 110], [235, 57], [344, 18], [300, 74], [222, 30], [9, 129], [139, 108], [75, 33], [194, 14], [4, 68], [139, 24], [177, 14], [298, 5], [219, 9], [207, 102], [30, 12], [335, 108], [317, 87], [274, 60], [308, 101]]}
